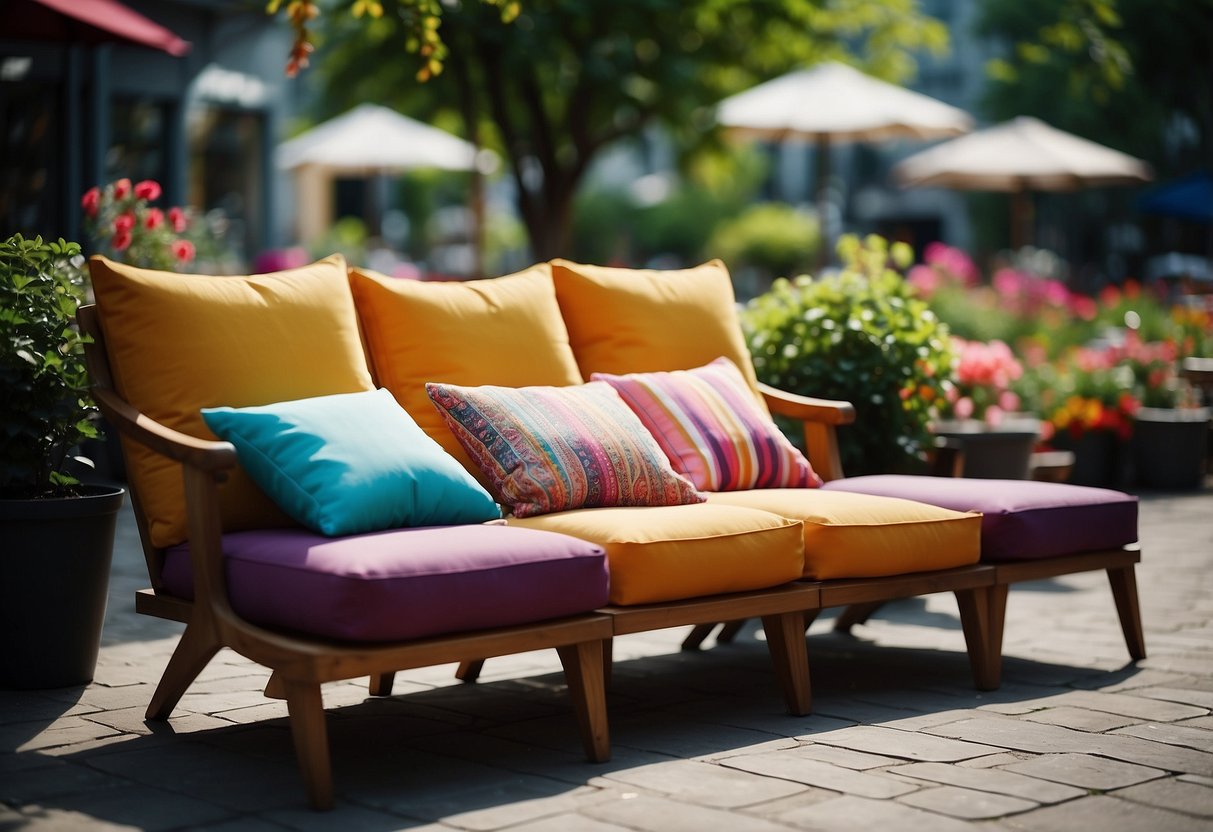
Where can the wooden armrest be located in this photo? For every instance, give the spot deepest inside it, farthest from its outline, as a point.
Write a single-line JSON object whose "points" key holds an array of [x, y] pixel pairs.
{"points": [[818, 418], [203, 454], [807, 408]]}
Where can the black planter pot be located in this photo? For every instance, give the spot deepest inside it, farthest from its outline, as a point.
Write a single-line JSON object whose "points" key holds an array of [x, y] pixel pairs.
{"points": [[1098, 460], [54, 576], [999, 453], [1169, 447]]}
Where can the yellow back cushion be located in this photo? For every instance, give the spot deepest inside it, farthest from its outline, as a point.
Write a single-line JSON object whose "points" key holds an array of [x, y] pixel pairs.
{"points": [[506, 331], [645, 320], [178, 343]]}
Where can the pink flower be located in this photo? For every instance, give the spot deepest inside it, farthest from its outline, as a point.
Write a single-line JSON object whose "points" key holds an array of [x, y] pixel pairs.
{"points": [[154, 218], [994, 415], [963, 408], [121, 241], [1085, 308], [122, 188], [123, 223], [183, 250], [178, 219], [90, 201], [148, 189], [1008, 401]]}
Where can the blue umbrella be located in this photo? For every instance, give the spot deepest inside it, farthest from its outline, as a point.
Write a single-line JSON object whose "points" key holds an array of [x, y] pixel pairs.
{"points": [[1189, 198]]}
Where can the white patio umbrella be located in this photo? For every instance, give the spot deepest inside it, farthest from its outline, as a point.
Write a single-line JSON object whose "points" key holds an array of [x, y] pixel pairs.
{"points": [[1018, 157], [367, 141], [831, 103]]}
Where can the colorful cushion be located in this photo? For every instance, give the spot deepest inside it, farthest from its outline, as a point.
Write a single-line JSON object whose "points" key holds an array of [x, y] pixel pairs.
{"points": [[351, 463], [404, 583], [546, 449], [676, 552], [861, 536], [712, 429], [506, 331], [643, 320], [1021, 519], [178, 343]]}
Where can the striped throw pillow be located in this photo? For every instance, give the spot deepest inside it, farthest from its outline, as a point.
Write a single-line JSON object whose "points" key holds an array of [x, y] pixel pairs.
{"points": [[546, 449], [712, 430]]}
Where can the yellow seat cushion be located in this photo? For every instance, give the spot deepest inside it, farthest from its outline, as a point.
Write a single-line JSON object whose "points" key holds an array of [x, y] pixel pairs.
{"points": [[645, 320], [505, 331], [670, 553], [866, 538], [178, 343]]}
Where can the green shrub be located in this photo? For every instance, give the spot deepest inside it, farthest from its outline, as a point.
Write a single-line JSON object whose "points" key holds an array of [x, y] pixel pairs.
{"points": [[774, 239], [45, 408], [863, 336]]}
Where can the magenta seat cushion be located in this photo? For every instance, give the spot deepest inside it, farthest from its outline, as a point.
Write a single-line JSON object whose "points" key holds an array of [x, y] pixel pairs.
{"points": [[1021, 519], [404, 583]]}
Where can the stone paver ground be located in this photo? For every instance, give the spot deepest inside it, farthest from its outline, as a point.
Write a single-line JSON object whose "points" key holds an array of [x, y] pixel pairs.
{"points": [[1077, 738]]}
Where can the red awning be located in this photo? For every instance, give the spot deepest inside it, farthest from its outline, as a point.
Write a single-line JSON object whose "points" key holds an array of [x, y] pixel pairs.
{"points": [[110, 17]]}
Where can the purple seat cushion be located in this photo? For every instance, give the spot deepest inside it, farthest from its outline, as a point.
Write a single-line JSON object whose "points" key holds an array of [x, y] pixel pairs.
{"points": [[404, 583], [1021, 519]]}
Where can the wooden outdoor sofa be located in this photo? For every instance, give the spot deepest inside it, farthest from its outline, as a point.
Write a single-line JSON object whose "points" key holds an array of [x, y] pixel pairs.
{"points": [[227, 562]]}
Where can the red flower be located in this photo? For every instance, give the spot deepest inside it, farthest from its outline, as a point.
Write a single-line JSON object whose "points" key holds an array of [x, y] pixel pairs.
{"points": [[90, 201], [123, 223], [183, 250], [178, 219], [154, 218], [148, 189], [121, 241], [122, 188]]}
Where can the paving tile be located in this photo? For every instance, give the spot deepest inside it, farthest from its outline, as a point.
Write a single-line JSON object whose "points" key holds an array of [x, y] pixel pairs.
{"points": [[37, 785], [147, 808], [859, 814], [998, 781], [1190, 737], [1052, 739], [70, 730], [909, 745], [1174, 794], [656, 814], [49, 819], [1079, 719], [788, 765], [1085, 771], [1107, 814], [569, 823], [844, 757], [706, 785], [967, 804], [513, 811], [132, 721], [344, 817]]}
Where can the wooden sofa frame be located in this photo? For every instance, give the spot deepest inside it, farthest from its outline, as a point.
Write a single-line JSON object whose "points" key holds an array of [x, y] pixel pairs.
{"points": [[820, 420], [300, 664]]}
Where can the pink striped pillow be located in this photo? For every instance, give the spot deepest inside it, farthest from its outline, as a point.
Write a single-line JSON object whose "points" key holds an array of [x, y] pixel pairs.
{"points": [[545, 449], [712, 430]]}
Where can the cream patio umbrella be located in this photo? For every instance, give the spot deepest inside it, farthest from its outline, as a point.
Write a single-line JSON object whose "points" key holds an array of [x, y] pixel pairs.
{"points": [[367, 141], [832, 102], [1018, 157]]}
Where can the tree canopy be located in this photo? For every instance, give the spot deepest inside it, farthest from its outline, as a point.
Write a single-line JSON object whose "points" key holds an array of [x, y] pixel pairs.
{"points": [[565, 79]]}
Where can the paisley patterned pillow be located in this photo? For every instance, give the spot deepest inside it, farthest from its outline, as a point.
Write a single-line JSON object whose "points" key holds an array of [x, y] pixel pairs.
{"points": [[546, 449]]}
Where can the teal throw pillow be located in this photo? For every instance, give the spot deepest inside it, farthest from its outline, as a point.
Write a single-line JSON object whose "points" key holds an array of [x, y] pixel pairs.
{"points": [[351, 463]]}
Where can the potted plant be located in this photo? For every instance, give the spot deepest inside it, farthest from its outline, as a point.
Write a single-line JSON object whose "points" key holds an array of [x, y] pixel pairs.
{"points": [[58, 533], [864, 336], [1170, 430], [980, 412]]}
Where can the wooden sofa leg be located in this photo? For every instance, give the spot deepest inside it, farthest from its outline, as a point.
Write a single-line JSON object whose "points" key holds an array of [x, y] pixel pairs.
{"points": [[986, 664], [469, 671], [790, 655], [306, 709], [194, 651], [1124, 591], [583, 670], [855, 614], [381, 684], [697, 636]]}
